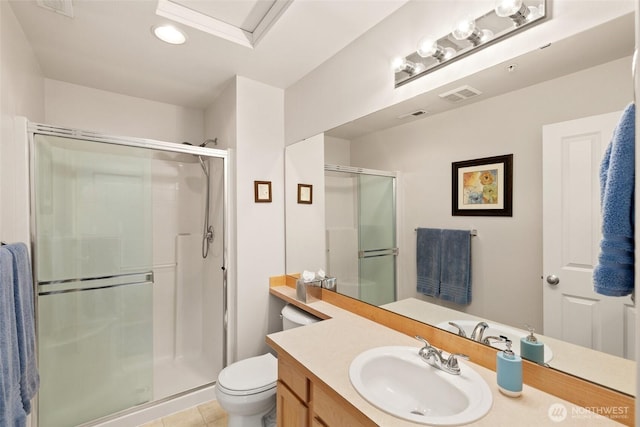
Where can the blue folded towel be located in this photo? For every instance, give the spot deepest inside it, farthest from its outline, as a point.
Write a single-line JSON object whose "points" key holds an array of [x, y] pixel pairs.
{"points": [[25, 322], [455, 272], [428, 261], [614, 274], [12, 411]]}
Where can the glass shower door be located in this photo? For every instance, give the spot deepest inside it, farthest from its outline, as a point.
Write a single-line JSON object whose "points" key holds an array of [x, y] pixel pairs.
{"points": [[93, 268], [377, 239]]}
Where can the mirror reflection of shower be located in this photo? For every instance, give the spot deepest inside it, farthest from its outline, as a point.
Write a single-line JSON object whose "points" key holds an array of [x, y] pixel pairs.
{"points": [[207, 230]]}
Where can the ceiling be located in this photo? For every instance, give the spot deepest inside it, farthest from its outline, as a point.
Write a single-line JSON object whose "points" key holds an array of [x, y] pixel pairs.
{"points": [[108, 44]]}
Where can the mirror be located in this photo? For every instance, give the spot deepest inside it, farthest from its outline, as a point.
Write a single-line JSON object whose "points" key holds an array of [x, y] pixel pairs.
{"points": [[564, 81]]}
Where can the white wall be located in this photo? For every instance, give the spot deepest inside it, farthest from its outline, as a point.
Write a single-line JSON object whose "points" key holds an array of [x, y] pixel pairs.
{"points": [[358, 80], [22, 94], [221, 123], [507, 253], [304, 164], [96, 110], [259, 226]]}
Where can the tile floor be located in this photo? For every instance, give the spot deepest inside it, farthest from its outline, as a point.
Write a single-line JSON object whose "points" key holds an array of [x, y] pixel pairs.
{"points": [[208, 414]]}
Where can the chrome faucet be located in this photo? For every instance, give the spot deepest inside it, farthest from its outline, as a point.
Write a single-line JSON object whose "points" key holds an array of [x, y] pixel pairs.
{"points": [[478, 331], [434, 357]]}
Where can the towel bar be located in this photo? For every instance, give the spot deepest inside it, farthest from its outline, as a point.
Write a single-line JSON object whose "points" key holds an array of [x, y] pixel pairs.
{"points": [[473, 232]]}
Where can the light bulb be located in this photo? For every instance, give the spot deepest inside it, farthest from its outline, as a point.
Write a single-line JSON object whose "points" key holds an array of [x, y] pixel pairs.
{"points": [[400, 64], [534, 13], [427, 46], [449, 53], [514, 9], [464, 28], [486, 35], [505, 8], [397, 64]]}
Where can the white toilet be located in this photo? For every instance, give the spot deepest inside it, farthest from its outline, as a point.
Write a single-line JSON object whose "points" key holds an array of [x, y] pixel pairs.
{"points": [[247, 389]]}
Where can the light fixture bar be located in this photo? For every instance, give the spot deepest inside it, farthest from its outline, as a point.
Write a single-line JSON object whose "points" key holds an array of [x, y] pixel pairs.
{"points": [[468, 36]]}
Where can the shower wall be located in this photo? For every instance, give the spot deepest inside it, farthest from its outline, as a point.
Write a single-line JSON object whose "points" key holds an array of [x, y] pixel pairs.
{"points": [[187, 314]]}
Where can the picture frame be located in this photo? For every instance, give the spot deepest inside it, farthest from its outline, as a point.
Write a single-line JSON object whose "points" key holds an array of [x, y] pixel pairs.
{"points": [[482, 187], [262, 191], [305, 194]]}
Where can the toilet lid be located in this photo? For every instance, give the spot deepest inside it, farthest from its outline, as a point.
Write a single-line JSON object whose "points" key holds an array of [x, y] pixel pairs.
{"points": [[250, 375]]}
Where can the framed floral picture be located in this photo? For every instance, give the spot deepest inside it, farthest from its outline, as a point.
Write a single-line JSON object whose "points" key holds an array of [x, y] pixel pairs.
{"points": [[482, 187]]}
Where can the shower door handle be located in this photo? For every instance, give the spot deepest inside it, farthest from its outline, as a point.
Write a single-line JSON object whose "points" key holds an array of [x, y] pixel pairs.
{"points": [[93, 283], [378, 252]]}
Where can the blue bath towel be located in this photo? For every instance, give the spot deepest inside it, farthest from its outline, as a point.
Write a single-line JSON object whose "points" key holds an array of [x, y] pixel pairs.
{"points": [[12, 411], [614, 274], [25, 322], [455, 272], [428, 261]]}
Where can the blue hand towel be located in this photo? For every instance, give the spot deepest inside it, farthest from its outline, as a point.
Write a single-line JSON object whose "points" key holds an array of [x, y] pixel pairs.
{"points": [[12, 412], [614, 274], [428, 261], [25, 322], [455, 272]]}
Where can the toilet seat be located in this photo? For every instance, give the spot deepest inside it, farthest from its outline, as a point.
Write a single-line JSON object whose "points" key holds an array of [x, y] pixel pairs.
{"points": [[249, 376]]}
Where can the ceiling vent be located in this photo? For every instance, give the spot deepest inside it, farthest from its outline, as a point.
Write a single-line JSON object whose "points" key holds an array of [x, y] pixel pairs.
{"points": [[460, 94], [63, 7], [416, 113]]}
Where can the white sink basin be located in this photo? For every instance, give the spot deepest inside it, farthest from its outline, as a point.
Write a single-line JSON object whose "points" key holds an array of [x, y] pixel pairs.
{"points": [[495, 330], [398, 381]]}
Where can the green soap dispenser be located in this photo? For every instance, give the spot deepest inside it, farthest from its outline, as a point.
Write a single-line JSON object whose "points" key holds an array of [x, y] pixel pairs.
{"points": [[530, 348]]}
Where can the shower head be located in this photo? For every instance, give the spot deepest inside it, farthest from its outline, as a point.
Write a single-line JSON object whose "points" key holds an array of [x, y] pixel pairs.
{"points": [[205, 143]]}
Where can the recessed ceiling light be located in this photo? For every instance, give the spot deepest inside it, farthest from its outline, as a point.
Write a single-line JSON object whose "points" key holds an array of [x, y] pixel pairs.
{"points": [[169, 34]]}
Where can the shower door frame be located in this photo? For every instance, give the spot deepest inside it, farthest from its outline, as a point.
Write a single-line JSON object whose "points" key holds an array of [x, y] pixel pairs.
{"points": [[65, 132]]}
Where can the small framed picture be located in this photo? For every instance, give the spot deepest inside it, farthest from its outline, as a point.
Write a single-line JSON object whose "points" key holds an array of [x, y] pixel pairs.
{"points": [[482, 187], [262, 190], [305, 194]]}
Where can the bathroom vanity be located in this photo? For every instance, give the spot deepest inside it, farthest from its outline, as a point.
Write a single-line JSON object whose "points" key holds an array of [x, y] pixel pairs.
{"points": [[314, 388]]}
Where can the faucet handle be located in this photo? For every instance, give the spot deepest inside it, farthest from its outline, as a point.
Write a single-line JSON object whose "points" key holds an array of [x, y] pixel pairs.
{"points": [[419, 338], [452, 361], [501, 338], [461, 331]]}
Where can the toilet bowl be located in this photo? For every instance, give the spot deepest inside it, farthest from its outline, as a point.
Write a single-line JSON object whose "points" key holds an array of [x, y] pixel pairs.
{"points": [[246, 389]]}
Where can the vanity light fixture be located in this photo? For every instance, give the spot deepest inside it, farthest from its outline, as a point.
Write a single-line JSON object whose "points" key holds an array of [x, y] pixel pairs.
{"points": [[169, 34], [505, 19]]}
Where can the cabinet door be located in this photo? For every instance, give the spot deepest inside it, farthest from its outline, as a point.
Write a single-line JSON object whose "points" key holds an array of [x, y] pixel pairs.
{"points": [[291, 411], [317, 422], [334, 411]]}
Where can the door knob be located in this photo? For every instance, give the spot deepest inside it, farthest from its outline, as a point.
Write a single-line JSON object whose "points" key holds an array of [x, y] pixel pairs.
{"points": [[553, 280]]}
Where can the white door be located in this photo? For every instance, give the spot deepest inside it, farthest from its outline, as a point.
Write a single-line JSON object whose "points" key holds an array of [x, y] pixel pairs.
{"points": [[573, 312]]}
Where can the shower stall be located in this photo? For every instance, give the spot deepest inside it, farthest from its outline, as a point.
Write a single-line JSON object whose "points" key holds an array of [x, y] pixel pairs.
{"points": [[129, 252], [360, 218]]}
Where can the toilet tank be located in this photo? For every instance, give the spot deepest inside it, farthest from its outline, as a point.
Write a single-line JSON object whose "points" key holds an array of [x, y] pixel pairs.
{"points": [[292, 317]]}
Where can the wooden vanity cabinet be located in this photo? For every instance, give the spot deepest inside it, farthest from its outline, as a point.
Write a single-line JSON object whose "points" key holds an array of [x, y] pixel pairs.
{"points": [[302, 402]]}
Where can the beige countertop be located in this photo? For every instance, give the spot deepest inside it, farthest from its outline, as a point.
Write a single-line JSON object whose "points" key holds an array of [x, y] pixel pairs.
{"points": [[327, 348], [602, 368]]}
